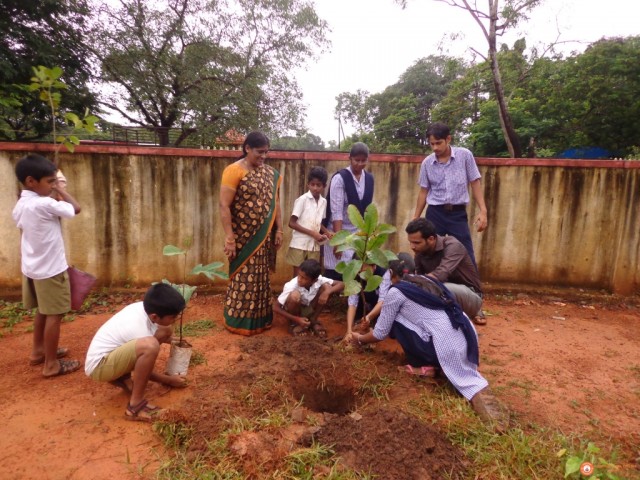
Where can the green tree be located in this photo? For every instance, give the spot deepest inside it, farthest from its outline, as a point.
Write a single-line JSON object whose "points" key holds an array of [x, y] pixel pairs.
{"points": [[205, 65], [398, 116], [308, 141], [493, 22], [41, 32], [594, 97]]}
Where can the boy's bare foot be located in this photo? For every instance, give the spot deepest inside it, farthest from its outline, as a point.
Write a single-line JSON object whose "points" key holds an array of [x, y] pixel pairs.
{"points": [[60, 353], [64, 367], [175, 381]]}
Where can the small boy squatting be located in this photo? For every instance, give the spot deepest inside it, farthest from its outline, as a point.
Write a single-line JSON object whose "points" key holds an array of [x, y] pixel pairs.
{"points": [[45, 282], [124, 350], [303, 298]]}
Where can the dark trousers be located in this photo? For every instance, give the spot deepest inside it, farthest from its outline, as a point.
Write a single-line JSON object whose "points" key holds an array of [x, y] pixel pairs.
{"points": [[418, 352], [454, 223]]}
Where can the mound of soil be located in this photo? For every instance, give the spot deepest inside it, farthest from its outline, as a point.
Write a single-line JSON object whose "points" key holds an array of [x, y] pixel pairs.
{"points": [[392, 444]]}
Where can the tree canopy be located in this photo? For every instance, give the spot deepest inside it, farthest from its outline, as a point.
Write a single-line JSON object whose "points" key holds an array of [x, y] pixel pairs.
{"points": [[207, 66], [40, 32]]}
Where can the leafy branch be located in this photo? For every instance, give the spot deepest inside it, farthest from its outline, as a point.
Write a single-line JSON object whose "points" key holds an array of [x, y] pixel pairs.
{"points": [[367, 244], [211, 271], [46, 81]]}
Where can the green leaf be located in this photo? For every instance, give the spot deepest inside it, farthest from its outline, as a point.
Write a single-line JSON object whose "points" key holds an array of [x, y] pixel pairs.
{"points": [[572, 466], [373, 283], [185, 290], [561, 452], [355, 217], [370, 219], [592, 448], [170, 250], [378, 257], [358, 245], [210, 271], [351, 287], [385, 228], [339, 238], [349, 269], [390, 255], [377, 241]]}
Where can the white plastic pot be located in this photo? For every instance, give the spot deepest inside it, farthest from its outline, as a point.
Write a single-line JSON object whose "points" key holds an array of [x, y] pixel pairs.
{"points": [[179, 357]]}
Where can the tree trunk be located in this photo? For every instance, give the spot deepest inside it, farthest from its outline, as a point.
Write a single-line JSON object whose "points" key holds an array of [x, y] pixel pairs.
{"points": [[509, 132], [510, 137]]}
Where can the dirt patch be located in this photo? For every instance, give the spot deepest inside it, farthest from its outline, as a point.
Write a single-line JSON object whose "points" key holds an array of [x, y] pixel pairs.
{"points": [[391, 444], [566, 362]]}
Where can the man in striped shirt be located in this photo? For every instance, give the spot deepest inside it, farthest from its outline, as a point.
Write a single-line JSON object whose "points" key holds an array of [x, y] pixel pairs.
{"points": [[445, 178]]}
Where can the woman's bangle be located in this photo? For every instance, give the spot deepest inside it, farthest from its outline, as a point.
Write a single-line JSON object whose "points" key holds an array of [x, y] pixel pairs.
{"points": [[279, 231], [230, 241]]}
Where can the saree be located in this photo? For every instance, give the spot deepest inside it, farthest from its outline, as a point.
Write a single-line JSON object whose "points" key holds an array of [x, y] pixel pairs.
{"points": [[247, 309]]}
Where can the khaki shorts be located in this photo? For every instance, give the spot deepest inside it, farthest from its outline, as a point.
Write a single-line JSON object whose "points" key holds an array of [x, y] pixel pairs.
{"points": [[51, 296], [117, 363], [295, 256]]}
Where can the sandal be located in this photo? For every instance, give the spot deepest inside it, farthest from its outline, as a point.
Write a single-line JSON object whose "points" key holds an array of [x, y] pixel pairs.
{"points": [[60, 353], [121, 382], [319, 330], [66, 366], [424, 371], [141, 412]]}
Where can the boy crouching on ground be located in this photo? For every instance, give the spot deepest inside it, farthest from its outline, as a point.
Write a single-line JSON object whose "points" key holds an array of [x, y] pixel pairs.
{"points": [[129, 342], [303, 298], [45, 282]]}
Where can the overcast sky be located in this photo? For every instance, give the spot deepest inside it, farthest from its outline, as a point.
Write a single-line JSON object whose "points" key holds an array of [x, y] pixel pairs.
{"points": [[375, 41]]}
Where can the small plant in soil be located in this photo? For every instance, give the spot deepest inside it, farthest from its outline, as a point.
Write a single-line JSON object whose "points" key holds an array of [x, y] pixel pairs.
{"points": [[211, 271], [589, 463], [358, 274]]}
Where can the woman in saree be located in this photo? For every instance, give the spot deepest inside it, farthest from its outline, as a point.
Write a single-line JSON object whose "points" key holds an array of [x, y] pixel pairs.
{"points": [[252, 223]]}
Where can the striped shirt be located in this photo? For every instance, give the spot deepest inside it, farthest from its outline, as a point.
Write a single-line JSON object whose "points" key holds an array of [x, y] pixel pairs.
{"points": [[447, 183], [382, 291], [433, 325]]}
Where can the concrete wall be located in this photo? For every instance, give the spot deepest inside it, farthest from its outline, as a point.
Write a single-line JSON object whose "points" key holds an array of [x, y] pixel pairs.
{"points": [[558, 222]]}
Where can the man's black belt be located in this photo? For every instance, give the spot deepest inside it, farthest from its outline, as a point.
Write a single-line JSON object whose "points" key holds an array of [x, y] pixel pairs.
{"points": [[447, 207]]}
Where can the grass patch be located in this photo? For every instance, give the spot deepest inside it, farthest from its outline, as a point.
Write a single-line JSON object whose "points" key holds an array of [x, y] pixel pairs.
{"points": [[12, 313], [197, 358], [197, 328]]}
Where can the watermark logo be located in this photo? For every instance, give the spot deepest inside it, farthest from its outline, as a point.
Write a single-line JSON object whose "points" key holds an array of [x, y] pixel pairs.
{"points": [[586, 469]]}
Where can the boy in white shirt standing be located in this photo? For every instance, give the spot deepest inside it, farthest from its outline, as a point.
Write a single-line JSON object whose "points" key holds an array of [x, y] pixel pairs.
{"points": [[303, 298], [306, 221], [45, 283]]}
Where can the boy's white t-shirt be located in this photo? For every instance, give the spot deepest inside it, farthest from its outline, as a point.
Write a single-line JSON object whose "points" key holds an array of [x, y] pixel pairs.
{"points": [[130, 323], [306, 296], [310, 213], [42, 246]]}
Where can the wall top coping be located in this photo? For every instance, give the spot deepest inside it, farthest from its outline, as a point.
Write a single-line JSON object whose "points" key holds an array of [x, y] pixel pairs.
{"points": [[312, 155]]}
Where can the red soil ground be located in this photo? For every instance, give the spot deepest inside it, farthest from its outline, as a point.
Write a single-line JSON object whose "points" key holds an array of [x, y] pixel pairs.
{"points": [[567, 360]]}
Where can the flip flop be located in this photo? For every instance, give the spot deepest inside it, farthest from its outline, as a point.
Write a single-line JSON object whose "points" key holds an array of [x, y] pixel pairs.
{"points": [[424, 371], [142, 412], [60, 353], [66, 366]]}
